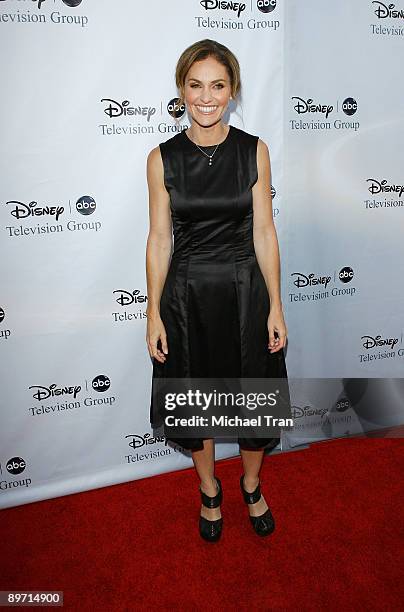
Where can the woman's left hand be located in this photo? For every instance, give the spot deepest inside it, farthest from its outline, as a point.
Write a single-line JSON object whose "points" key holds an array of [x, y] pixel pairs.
{"points": [[276, 323]]}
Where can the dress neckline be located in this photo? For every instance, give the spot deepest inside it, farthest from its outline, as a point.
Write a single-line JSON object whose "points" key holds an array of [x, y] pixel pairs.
{"points": [[191, 142]]}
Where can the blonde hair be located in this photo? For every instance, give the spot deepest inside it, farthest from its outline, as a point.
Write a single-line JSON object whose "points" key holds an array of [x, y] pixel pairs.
{"points": [[200, 50]]}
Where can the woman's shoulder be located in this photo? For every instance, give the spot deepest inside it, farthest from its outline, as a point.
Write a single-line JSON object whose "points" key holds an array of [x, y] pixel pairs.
{"points": [[248, 140], [243, 134], [255, 141], [174, 140], [164, 146]]}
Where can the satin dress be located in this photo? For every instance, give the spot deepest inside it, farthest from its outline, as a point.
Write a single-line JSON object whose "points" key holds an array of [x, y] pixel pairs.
{"points": [[214, 303]]}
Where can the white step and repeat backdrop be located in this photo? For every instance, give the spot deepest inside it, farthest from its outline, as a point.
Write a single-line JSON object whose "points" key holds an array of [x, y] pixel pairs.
{"points": [[87, 90]]}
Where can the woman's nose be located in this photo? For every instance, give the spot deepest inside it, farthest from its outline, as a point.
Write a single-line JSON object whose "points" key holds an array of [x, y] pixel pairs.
{"points": [[205, 97]]}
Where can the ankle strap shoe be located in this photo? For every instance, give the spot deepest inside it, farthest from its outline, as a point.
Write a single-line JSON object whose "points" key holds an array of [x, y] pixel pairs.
{"points": [[211, 530], [264, 524]]}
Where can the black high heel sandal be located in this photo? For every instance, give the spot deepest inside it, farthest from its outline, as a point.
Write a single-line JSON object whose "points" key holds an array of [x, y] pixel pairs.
{"points": [[211, 530], [263, 524]]}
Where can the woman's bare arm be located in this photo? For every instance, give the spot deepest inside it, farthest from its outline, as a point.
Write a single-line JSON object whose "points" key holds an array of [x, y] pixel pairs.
{"points": [[158, 248], [265, 238], [266, 241]]}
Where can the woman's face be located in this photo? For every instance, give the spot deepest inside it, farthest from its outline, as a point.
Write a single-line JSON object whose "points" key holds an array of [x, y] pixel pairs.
{"points": [[207, 91]]}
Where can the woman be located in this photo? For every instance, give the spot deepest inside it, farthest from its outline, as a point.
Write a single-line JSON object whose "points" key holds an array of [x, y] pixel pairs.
{"points": [[214, 309]]}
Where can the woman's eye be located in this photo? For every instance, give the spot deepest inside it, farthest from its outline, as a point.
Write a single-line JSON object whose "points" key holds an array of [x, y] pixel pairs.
{"points": [[219, 85]]}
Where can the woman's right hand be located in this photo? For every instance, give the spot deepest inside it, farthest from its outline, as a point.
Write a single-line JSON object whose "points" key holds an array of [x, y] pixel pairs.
{"points": [[155, 332]]}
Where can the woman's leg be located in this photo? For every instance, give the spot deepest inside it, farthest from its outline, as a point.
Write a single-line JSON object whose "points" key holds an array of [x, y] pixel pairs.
{"points": [[204, 461], [252, 462]]}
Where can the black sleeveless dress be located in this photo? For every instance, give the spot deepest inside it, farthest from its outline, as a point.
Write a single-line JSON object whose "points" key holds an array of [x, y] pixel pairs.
{"points": [[214, 303]]}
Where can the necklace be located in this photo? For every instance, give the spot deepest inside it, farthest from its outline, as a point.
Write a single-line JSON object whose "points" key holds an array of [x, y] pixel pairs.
{"points": [[209, 156]]}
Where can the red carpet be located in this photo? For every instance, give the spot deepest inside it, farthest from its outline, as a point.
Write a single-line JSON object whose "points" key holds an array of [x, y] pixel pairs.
{"points": [[338, 542]]}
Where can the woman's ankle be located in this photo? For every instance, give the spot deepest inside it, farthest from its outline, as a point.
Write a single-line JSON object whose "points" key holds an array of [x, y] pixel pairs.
{"points": [[250, 483], [209, 486]]}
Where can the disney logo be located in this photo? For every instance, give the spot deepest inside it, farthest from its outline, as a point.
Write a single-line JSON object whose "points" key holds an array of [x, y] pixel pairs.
{"points": [[299, 412], [53, 390], [303, 281], [138, 441], [238, 7], [381, 186], [383, 11], [22, 211], [115, 109], [370, 342], [129, 297], [303, 106]]}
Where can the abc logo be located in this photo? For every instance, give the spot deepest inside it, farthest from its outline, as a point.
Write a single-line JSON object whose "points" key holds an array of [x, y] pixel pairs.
{"points": [[16, 465], [174, 109], [349, 106], [346, 274], [342, 405], [86, 205], [266, 6], [101, 383], [72, 2], [2, 314]]}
